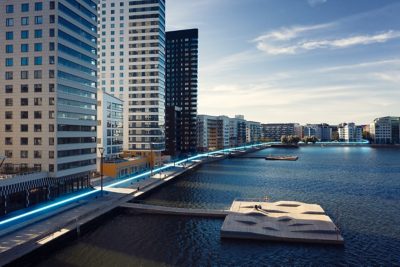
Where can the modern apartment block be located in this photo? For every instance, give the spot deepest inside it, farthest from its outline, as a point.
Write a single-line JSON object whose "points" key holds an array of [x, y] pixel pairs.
{"points": [[219, 132], [322, 132], [274, 131], [48, 55], [349, 132], [181, 90], [110, 125], [386, 130], [132, 68]]}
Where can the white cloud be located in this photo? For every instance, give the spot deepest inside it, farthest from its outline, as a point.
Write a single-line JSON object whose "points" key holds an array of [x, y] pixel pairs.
{"points": [[271, 45], [314, 3]]}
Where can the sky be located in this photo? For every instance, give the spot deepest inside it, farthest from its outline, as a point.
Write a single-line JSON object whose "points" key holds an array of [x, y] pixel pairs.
{"points": [[306, 61]]}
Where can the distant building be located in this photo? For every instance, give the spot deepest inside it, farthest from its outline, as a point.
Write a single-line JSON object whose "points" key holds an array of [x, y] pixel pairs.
{"points": [[110, 125], [274, 131], [349, 132], [181, 91], [385, 130], [219, 132], [322, 132]]}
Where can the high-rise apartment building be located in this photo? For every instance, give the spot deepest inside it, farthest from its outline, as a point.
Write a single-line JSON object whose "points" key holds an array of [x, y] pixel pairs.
{"points": [[181, 90], [132, 68], [48, 55], [349, 132], [274, 131]]}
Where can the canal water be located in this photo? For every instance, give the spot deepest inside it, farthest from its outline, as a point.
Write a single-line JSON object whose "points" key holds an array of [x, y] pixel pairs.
{"points": [[359, 187]]}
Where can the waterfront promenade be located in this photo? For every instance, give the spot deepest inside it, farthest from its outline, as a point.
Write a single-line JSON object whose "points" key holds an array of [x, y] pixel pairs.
{"points": [[27, 234]]}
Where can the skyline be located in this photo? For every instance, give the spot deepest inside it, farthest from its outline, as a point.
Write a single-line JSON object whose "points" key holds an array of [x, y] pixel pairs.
{"points": [[329, 61]]}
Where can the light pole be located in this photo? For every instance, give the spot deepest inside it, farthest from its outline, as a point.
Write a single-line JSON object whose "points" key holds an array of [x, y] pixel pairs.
{"points": [[101, 150]]}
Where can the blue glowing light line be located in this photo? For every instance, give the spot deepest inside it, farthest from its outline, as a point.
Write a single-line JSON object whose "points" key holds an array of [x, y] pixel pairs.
{"points": [[77, 197]]}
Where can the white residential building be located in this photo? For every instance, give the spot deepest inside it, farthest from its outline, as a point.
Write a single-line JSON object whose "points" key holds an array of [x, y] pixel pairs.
{"points": [[132, 68], [349, 132]]}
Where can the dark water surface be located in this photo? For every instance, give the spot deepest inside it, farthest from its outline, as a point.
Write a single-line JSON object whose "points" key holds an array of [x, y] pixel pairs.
{"points": [[358, 187]]}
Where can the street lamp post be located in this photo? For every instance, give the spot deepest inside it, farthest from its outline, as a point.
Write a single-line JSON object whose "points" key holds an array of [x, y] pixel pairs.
{"points": [[101, 150]]}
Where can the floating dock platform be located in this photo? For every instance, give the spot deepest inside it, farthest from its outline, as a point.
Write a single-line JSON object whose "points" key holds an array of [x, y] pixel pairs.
{"points": [[286, 221]]}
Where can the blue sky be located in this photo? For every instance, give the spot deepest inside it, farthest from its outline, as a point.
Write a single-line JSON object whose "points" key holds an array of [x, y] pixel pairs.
{"points": [[304, 61]]}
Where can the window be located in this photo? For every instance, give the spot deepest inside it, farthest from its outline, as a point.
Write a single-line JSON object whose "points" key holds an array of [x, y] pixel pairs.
{"points": [[37, 74], [51, 154], [38, 19], [24, 75], [8, 141], [38, 33], [8, 102], [51, 114], [9, 89], [24, 88], [24, 20], [24, 61], [38, 47], [37, 128], [38, 60], [51, 101], [51, 74], [24, 34], [9, 9], [52, 19], [8, 115], [51, 60], [9, 49], [38, 6], [8, 153], [24, 154], [25, 7], [24, 102], [51, 128], [51, 141], [24, 127], [51, 33], [51, 167], [37, 101], [37, 141], [9, 75], [24, 141], [9, 62], [51, 87], [37, 114], [38, 88], [24, 48], [51, 46], [9, 35], [8, 127], [24, 115], [9, 22]]}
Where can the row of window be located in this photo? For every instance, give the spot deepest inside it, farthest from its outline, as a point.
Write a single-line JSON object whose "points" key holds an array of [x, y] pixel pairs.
{"points": [[38, 6], [25, 88], [37, 61], [24, 141], [25, 128], [38, 33], [8, 115], [37, 101], [24, 74], [38, 20], [24, 154]]}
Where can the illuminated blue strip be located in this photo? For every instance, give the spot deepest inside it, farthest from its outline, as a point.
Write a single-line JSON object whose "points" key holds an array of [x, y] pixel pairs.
{"points": [[82, 195]]}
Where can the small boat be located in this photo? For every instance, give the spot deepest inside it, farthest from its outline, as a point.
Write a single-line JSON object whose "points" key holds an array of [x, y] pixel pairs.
{"points": [[289, 158]]}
